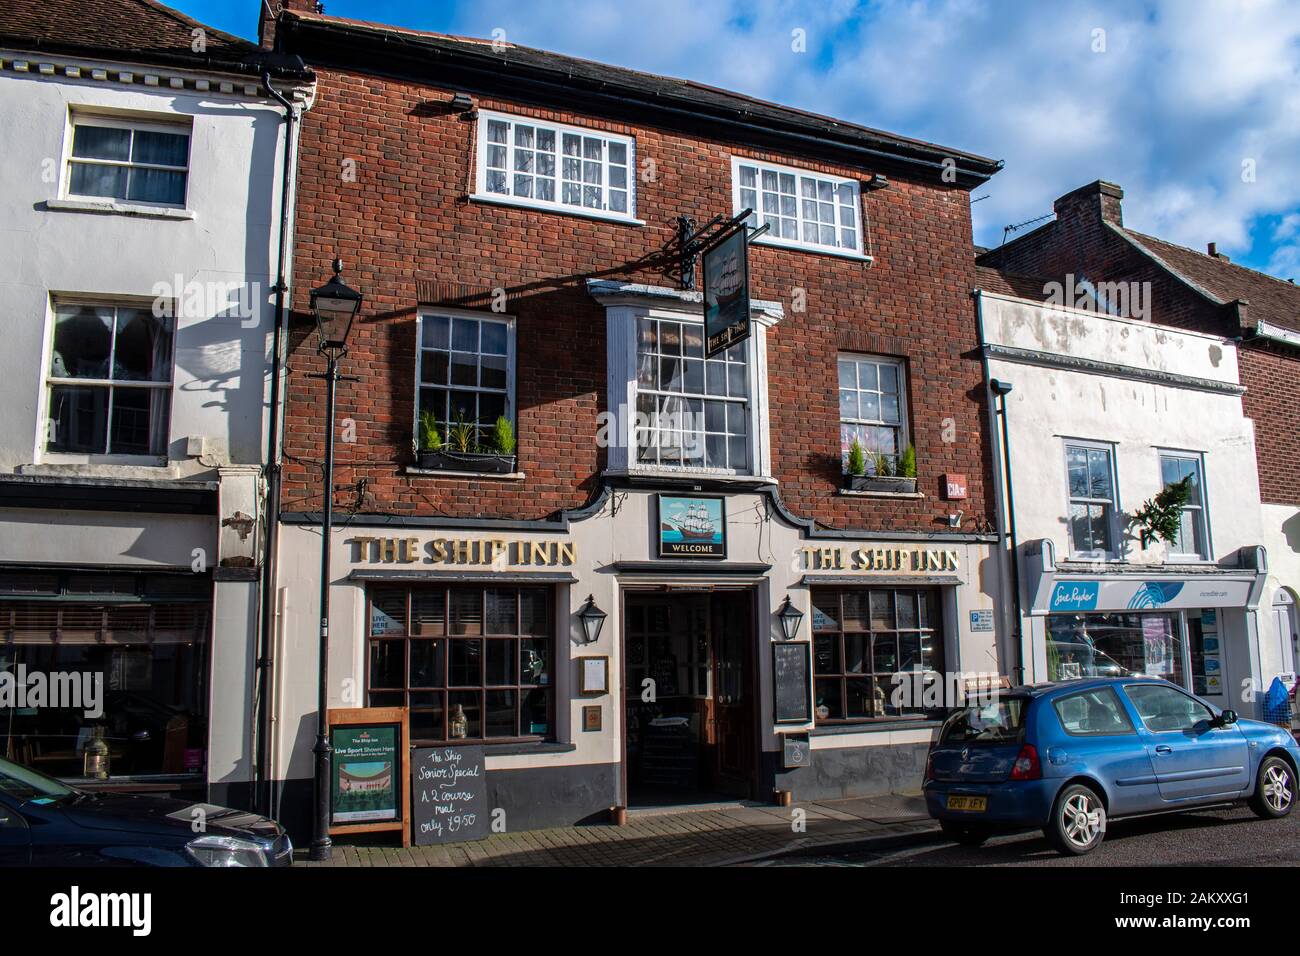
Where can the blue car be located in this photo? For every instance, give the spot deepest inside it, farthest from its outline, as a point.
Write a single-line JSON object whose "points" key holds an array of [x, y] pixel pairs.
{"points": [[1068, 757]]}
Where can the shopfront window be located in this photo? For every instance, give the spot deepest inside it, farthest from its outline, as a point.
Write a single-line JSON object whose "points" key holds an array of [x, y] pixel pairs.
{"points": [[868, 645], [471, 663], [143, 637], [1115, 645]]}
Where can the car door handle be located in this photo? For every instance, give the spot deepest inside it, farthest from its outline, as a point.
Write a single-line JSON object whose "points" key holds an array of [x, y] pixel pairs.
{"points": [[1164, 749]]}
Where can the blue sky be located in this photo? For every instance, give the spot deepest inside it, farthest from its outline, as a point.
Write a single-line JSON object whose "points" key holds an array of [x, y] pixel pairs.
{"points": [[1193, 106]]}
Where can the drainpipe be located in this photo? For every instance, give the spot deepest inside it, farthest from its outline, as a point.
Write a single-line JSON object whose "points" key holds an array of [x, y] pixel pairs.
{"points": [[1000, 391], [266, 627]]}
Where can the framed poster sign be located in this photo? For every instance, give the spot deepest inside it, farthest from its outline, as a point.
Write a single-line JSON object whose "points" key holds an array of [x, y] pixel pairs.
{"points": [[593, 675], [726, 293], [369, 783], [692, 526]]}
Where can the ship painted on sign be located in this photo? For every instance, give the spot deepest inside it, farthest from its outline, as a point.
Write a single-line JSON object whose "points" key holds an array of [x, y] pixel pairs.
{"points": [[696, 524]]}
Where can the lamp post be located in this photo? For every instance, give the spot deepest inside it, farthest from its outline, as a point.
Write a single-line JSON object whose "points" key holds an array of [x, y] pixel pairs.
{"points": [[334, 305]]}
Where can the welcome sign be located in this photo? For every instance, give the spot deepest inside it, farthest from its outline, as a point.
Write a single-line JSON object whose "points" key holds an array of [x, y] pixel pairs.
{"points": [[692, 527]]}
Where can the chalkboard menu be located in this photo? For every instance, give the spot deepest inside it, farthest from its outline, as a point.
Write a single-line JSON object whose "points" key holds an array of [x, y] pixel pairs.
{"points": [[790, 677], [448, 795]]}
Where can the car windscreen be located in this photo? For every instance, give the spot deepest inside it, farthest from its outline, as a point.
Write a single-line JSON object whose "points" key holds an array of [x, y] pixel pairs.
{"points": [[999, 721], [24, 784]]}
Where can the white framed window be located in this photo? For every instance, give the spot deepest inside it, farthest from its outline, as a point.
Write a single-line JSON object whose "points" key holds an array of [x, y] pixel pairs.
{"points": [[805, 210], [1093, 504], [127, 161], [465, 373], [109, 381], [873, 408], [692, 412], [1192, 537], [527, 162]]}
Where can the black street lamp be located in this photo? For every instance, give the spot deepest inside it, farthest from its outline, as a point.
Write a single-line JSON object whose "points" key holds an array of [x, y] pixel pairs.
{"points": [[790, 617], [334, 305], [592, 618]]}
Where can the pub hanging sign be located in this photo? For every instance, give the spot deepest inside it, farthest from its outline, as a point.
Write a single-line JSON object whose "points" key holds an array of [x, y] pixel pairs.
{"points": [[726, 292]]}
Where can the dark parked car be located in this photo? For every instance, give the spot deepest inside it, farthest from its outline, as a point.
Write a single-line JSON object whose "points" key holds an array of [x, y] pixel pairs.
{"points": [[1070, 756], [47, 823]]}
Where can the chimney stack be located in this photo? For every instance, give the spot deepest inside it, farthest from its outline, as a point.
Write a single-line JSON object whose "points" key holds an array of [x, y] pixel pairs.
{"points": [[1213, 251], [1097, 200], [269, 12]]}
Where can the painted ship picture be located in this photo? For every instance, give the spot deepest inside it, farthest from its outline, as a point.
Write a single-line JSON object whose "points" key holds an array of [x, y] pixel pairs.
{"points": [[692, 527]]}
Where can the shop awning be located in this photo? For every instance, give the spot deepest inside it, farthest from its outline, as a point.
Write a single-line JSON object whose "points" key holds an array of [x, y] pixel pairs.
{"points": [[1071, 586]]}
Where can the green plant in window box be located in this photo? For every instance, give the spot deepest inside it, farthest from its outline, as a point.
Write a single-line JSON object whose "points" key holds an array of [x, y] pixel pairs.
{"points": [[1161, 516], [430, 436], [503, 436], [907, 463], [461, 450], [857, 459], [889, 474]]}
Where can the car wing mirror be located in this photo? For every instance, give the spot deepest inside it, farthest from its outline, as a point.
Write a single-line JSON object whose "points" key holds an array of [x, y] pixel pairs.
{"points": [[1225, 718]]}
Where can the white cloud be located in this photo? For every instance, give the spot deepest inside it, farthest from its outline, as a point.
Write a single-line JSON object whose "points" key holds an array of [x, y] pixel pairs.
{"points": [[1183, 93]]}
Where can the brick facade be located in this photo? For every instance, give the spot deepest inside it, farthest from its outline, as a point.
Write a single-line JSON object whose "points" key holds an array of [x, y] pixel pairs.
{"points": [[1080, 242], [405, 224]]}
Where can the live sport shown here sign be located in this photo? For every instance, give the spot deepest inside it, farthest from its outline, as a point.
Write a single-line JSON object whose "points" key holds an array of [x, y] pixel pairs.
{"points": [[726, 293], [369, 779]]}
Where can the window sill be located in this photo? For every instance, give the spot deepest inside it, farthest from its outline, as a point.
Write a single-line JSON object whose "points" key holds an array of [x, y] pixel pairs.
{"points": [[111, 207], [121, 466], [849, 493], [439, 473], [600, 214], [697, 474], [814, 250], [875, 726], [512, 748]]}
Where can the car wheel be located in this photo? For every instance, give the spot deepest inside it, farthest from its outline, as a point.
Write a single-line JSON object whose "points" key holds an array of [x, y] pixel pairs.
{"points": [[1078, 822], [967, 834], [1274, 794]]}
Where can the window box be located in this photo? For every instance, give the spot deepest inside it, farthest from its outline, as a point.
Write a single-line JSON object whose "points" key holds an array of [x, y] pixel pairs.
{"points": [[880, 483], [483, 463]]}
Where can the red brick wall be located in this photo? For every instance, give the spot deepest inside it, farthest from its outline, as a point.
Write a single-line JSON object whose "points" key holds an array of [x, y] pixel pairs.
{"points": [[1078, 243], [406, 218], [1271, 374]]}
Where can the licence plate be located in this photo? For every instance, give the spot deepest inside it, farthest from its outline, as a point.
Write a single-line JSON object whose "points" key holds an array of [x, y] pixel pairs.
{"points": [[968, 804]]}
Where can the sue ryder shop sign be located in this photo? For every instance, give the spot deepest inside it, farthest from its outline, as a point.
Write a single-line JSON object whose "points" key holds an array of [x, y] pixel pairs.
{"points": [[866, 560], [487, 552]]}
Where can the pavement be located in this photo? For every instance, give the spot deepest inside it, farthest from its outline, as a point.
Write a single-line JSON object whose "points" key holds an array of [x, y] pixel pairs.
{"points": [[710, 835]]}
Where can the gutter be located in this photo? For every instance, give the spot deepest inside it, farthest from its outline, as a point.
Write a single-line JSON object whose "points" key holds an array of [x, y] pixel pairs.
{"points": [[266, 603], [1275, 333]]}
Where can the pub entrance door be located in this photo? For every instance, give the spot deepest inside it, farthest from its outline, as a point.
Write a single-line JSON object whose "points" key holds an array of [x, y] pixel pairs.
{"points": [[688, 696]]}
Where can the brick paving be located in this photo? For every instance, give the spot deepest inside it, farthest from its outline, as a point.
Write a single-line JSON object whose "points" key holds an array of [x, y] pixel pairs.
{"points": [[717, 835]]}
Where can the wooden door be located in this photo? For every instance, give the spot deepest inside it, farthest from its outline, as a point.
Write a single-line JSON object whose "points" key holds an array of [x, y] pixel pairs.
{"points": [[732, 703]]}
